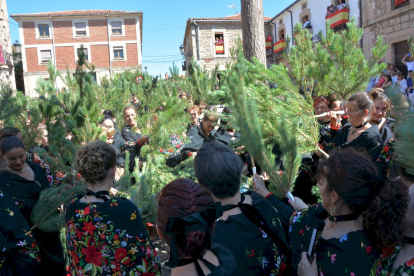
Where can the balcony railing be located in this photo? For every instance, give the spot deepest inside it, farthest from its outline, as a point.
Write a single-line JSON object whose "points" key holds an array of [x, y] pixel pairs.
{"points": [[338, 17], [268, 43], [279, 46]]}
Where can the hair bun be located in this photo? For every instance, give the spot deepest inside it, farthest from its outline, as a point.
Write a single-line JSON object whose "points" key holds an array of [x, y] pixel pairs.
{"points": [[6, 133], [195, 243]]}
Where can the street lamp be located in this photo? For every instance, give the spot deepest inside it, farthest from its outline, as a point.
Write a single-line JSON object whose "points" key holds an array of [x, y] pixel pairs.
{"points": [[182, 49], [17, 47]]}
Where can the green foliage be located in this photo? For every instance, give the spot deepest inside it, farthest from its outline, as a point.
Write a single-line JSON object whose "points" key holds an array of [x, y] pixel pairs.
{"points": [[337, 64]]}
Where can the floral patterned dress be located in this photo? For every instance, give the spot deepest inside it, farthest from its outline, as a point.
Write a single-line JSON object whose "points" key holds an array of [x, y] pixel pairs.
{"points": [[254, 249], [351, 255], [108, 238], [19, 253], [386, 262]]}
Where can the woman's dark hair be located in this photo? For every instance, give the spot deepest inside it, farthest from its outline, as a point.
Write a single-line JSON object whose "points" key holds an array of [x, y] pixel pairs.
{"points": [[218, 168], [180, 198], [9, 131], [107, 118], [388, 78], [108, 113], [94, 161], [354, 177], [362, 100], [9, 141], [327, 100]]}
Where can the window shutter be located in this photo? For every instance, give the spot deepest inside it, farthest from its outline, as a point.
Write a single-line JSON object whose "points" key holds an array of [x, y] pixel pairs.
{"points": [[46, 55], [80, 27], [116, 24]]}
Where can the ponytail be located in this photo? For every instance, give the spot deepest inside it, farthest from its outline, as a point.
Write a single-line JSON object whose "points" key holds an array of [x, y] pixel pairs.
{"points": [[385, 213]]}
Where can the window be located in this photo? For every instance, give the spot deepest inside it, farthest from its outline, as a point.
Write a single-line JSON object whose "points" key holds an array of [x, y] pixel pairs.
{"points": [[80, 29], [400, 3], [116, 27], [45, 56], [85, 50], [219, 43], [281, 35], [118, 52], [43, 30]]}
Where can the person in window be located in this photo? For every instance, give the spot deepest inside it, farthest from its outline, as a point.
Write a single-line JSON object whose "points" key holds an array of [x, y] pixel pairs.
{"points": [[330, 10], [250, 227], [282, 35], [354, 222], [401, 83], [409, 63], [306, 23], [132, 135], [341, 5], [104, 234], [24, 181], [358, 133], [186, 215]]}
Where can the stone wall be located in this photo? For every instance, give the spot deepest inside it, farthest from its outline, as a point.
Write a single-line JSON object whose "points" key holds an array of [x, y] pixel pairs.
{"points": [[395, 25]]}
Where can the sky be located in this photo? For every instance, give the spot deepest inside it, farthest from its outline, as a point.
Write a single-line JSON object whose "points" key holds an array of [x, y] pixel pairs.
{"points": [[164, 21]]}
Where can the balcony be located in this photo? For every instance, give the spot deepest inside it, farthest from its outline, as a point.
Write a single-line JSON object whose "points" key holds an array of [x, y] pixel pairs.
{"points": [[338, 18], [279, 46]]}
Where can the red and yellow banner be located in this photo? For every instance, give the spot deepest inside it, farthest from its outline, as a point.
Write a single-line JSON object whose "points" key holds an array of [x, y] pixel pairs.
{"points": [[339, 17], [220, 49], [268, 43], [397, 2], [279, 46]]}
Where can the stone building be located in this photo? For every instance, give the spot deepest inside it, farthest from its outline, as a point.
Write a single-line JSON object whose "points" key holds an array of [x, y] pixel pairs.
{"points": [[112, 41], [6, 56], [209, 40], [392, 19]]}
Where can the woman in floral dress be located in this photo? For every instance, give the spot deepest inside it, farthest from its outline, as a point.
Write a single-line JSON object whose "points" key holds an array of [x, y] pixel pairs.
{"points": [[359, 216], [105, 235], [400, 261]]}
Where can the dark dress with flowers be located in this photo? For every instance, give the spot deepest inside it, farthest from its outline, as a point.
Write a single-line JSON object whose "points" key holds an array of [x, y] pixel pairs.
{"points": [[19, 253], [108, 238], [255, 251], [386, 263], [25, 194], [351, 255]]}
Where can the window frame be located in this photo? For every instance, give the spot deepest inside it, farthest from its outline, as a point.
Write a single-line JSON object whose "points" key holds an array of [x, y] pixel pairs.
{"points": [[75, 35], [223, 33], [87, 47], [122, 27], [39, 54], [124, 49], [38, 36], [400, 5]]}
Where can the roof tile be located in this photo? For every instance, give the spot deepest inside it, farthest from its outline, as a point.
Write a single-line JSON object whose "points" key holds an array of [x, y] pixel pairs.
{"points": [[230, 17], [76, 13]]}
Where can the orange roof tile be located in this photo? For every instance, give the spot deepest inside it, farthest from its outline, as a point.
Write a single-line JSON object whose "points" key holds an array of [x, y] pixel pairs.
{"points": [[230, 17], [76, 13]]}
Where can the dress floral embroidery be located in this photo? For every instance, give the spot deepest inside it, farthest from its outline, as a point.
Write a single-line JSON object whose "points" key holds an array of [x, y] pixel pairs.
{"points": [[351, 254], [108, 238], [386, 263]]}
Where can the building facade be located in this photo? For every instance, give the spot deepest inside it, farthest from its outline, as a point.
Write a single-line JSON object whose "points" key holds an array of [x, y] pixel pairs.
{"points": [[6, 56], [314, 11], [112, 42], [394, 20], [209, 41]]}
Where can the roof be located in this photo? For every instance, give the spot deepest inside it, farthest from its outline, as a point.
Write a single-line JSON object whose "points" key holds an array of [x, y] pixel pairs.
{"points": [[230, 18], [76, 13]]}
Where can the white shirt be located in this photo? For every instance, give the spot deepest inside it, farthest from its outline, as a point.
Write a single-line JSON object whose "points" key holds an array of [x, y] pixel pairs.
{"points": [[394, 79], [341, 6], [305, 24], [402, 87], [410, 65]]}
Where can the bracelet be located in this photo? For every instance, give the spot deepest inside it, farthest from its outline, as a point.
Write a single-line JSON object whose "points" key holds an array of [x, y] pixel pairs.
{"points": [[334, 128], [269, 194]]}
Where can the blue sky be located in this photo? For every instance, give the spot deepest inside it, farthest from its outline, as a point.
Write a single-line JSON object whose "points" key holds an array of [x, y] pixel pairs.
{"points": [[163, 24]]}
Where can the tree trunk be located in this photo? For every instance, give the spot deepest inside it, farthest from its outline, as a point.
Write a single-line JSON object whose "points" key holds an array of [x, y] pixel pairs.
{"points": [[254, 44]]}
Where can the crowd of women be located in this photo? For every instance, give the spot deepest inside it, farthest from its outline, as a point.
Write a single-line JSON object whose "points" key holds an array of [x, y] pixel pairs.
{"points": [[363, 223]]}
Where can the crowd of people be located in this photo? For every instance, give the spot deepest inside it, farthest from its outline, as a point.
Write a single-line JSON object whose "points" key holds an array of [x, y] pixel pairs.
{"points": [[362, 224]]}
